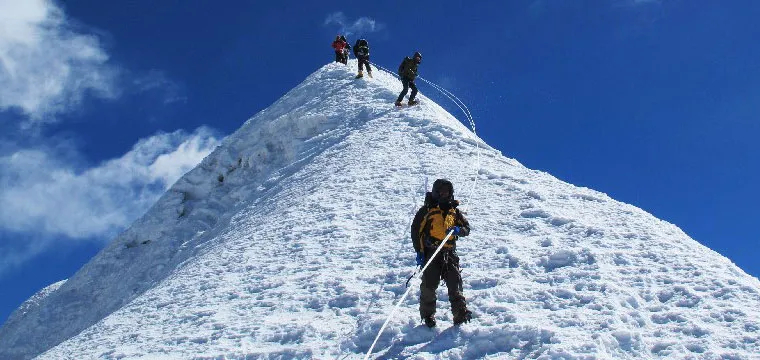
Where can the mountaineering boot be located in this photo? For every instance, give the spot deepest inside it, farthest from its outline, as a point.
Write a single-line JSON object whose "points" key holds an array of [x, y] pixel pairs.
{"points": [[399, 104], [462, 317], [360, 74], [429, 321], [413, 102], [369, 73]]}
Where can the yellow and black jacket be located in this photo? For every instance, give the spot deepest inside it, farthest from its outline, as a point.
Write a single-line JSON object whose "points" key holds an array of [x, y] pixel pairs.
{"points": [[431, 222]]}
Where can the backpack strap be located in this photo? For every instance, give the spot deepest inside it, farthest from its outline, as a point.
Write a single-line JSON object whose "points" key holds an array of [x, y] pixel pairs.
{"points": [[424, 232]]}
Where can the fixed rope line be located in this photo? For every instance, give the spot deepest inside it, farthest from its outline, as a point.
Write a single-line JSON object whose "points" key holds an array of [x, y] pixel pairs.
{"points": [[466, 110], [406, 293], [468, 115], [454, 98], [460, 104], [443, 91]]}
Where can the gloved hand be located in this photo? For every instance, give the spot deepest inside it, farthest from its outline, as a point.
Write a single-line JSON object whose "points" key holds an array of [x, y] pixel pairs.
{"points": [[420, 259], [454, 230]]}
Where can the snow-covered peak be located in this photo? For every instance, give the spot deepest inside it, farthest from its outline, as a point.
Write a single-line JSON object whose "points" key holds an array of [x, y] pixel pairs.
{"points": [[32, 302], [291, 241]]}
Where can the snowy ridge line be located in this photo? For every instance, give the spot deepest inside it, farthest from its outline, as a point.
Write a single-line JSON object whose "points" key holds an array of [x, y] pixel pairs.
{"points": [[460, 104], [468, 195], [454, 98], [468, 114], [445, 92]]}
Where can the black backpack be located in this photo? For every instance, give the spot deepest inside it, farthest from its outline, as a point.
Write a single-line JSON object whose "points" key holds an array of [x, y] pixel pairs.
{"points": [[361, 48], [402, 66]]}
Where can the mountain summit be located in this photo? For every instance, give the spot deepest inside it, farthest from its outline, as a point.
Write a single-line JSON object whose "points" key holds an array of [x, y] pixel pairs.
{"points": [[291, 241]]}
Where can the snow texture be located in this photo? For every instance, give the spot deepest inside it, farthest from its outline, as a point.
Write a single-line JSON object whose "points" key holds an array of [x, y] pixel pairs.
{"points": [[290, 241]]}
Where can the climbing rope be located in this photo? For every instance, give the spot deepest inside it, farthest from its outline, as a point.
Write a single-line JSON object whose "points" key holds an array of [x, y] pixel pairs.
{"points": [[461, 105], [453, 98], [468, 115], [398, 304]]}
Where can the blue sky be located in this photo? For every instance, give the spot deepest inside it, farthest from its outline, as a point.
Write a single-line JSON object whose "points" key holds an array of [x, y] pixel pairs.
{"points": [[103, 105]]}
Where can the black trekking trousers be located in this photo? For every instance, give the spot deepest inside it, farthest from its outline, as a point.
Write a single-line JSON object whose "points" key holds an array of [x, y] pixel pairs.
{"points": [[339, 56], [364, 60], [445, 266], [408, 83]]}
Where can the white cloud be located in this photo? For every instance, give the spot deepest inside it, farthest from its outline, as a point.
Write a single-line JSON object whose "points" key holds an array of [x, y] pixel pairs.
{"points": [[157, 81], [45, 195], [49, 196], [361, 26], [46, 67]]}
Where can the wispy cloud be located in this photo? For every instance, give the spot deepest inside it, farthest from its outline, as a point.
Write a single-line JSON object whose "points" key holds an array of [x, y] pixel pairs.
{"points": [[50, 194], [156, 81], [360, 26], [52, 199], [47, 195], [46, 66]]}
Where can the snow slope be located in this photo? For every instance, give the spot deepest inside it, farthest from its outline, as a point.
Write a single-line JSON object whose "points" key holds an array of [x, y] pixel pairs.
{"points": [[290, 241]]}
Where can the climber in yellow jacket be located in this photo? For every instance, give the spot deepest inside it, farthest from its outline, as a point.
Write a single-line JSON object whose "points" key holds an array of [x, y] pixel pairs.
{"points": [[437, 218]]}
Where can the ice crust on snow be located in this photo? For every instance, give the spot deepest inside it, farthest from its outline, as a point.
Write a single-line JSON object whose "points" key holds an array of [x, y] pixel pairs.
{"points": [[290, 241]]}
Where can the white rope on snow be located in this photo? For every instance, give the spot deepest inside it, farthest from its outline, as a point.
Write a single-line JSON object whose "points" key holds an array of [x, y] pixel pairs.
{"points": [[468, 115], [460, 104], [395, 308]]}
